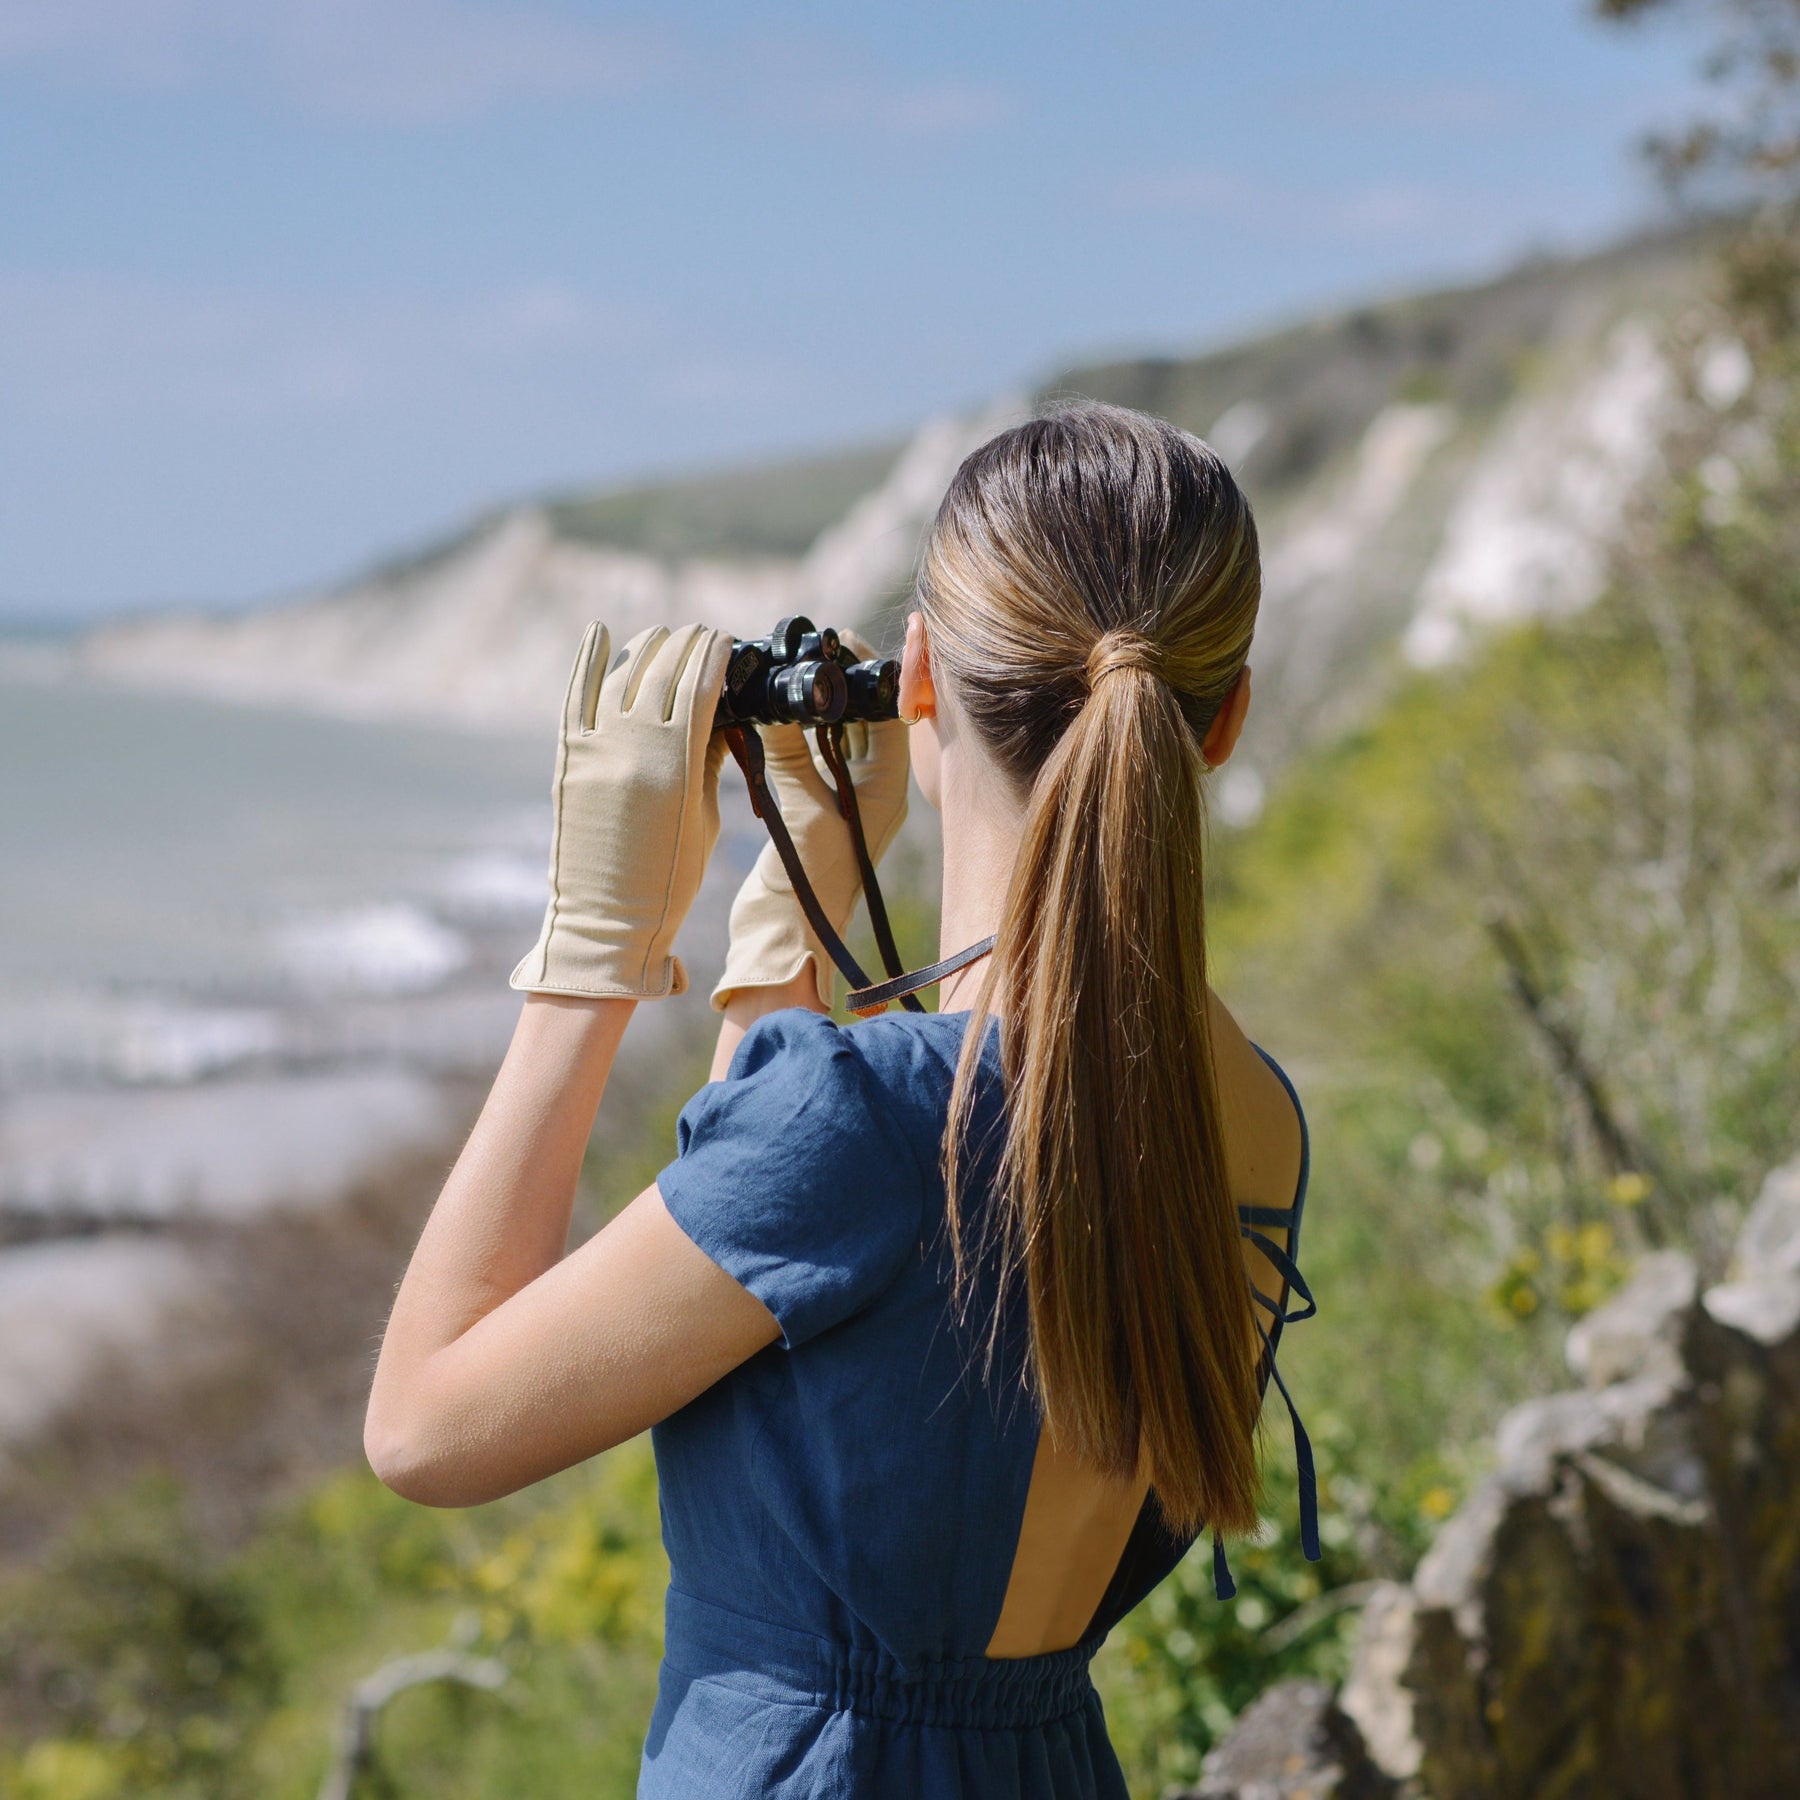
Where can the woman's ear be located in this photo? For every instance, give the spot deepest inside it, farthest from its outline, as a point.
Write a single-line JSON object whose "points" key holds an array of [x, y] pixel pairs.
{"points": [[1228, 722], [918, 707], [918, 698]]}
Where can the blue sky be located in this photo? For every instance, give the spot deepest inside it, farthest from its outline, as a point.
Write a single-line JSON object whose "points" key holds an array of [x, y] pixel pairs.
{"points": [[287, 285]]}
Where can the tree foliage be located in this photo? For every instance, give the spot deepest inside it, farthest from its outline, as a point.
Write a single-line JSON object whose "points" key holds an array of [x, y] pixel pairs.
{"points": [[1747, 144]]}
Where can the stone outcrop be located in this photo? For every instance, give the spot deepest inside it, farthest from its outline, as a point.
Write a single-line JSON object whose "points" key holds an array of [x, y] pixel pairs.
{"points": [[1294, 1743], [1616, 1610]]}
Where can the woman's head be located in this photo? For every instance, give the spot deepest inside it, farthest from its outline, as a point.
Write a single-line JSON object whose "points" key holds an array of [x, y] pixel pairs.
{"points": [[1092, 541], [1088, 594]]}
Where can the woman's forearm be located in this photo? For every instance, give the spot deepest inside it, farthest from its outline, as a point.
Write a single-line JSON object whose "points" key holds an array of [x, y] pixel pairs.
{"points": [[502, 1219], [503, 1216]]}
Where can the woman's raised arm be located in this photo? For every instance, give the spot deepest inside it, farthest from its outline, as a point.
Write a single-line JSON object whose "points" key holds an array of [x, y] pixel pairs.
{"points": [[504, 1360]]}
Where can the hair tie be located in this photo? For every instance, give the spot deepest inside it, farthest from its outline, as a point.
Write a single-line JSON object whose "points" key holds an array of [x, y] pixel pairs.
{"points": [[1115, 650]]}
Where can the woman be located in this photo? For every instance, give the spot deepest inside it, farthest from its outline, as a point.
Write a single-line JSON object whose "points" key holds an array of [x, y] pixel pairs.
{"points": [[943, 1321]]}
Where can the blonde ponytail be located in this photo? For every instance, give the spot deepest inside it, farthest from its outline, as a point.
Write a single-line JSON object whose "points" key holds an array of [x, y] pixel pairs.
{"points": [[1089, 587]]}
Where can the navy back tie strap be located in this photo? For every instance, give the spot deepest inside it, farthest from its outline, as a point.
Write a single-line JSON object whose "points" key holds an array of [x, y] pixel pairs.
{"points": [[1252, 1221]]}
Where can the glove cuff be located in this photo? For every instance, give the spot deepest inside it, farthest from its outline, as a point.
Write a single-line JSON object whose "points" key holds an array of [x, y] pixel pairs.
{"points": [[771, 945], [597, 978]]}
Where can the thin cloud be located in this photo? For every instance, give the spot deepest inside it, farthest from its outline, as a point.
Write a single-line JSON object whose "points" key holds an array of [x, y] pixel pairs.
{"points": [[929, 110], [1380, 209], [728, 381], [434, 62], [388, 61], [825, 81], [1447, 107], [102, 347]]}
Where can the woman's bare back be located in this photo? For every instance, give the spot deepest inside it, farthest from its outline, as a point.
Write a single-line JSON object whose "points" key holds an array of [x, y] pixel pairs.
{"points": [[1077, 1520]]}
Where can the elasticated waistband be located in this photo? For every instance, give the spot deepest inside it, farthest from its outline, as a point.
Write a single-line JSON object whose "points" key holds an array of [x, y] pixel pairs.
{"points": [[709, 1642]]}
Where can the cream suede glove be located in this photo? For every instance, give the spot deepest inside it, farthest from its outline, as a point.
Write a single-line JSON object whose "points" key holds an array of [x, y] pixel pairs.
{"points": [[636, 813], [771, 941]]}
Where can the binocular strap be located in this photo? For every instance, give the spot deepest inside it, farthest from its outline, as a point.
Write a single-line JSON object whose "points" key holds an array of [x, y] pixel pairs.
{"points": [[866, 1000], [830, 740], [865, 997]]}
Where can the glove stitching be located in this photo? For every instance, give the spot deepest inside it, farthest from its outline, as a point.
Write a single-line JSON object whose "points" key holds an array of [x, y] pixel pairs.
{"points": [[562, 774], [681, 832], [675, 860]]}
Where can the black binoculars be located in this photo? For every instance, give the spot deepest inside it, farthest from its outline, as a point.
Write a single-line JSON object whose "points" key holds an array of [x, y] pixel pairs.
{"points": [[803, 675]]}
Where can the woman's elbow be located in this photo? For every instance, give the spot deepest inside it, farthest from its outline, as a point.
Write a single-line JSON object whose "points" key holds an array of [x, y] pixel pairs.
{"points": [[408, 1461]]}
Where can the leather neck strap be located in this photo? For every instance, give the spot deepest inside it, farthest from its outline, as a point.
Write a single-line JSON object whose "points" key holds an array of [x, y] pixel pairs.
{"points": [[867, 1000], [866, 997]]}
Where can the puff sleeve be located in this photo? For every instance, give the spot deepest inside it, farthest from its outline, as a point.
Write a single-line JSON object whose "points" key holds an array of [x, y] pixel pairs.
{"points": [[795, 1177]]}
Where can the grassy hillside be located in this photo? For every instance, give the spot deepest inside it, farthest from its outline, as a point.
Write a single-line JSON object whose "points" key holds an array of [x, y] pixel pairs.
{"points": [[766, 509], [1318, 384], [753, 510]]}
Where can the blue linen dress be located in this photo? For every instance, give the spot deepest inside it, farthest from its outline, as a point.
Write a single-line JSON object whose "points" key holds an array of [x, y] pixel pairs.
{"points": [[841, 1511]]}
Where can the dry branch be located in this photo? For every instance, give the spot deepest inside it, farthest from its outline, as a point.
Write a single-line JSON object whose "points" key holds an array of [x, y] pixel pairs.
{"points": [[362, 1711]]}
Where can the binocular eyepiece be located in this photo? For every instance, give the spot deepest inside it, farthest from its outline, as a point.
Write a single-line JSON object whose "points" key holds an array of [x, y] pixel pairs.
{"points": [[801, 674]]}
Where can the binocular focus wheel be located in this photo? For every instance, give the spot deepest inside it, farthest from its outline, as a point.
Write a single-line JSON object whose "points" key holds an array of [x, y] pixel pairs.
{"points": [[788, 634]]}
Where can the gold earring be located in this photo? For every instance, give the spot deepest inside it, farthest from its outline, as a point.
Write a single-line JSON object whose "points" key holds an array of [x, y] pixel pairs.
{"points": [[904, 720]]}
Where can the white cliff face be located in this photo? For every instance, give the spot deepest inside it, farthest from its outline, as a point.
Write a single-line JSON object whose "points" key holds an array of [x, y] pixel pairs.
{"points": [[1319, 557], [858, 562], [484, 635], [1533, 529], [1439, 522], [1443, 524], [480, 637]]}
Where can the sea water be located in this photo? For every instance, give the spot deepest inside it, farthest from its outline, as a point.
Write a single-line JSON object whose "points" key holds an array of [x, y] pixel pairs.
{"points": [[247, 957], [168, 845]]}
